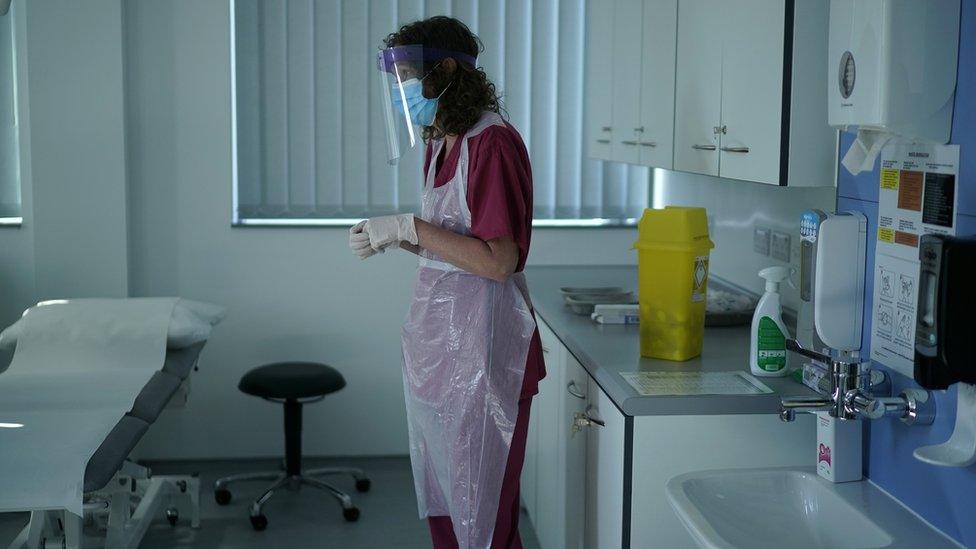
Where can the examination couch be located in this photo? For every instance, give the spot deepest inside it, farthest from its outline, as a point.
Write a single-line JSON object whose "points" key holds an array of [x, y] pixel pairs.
{"points": [[120, 497]]}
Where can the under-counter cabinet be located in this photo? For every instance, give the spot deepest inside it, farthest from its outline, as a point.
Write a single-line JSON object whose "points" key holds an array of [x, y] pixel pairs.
{"points": [[751, 93], [604, 485], [630, 80]]}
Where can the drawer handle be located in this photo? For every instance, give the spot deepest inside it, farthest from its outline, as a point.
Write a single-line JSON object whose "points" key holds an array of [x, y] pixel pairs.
{"points": [[639, 129], [703, 147], [735, 149], [602, 140], [606, 128], [629, 142], [648, 143], [572, 389]]}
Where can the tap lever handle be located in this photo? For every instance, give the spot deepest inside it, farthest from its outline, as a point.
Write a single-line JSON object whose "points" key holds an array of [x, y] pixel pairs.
{"points": [[795, 346]]}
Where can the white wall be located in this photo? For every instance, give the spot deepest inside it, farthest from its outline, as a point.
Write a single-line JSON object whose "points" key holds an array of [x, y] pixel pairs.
{"points": [[17, 289], [736, 207], [77, 147], [292, 293]]}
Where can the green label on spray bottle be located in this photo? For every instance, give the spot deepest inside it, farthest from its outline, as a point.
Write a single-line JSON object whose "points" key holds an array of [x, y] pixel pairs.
{"points": [[771, 346]]}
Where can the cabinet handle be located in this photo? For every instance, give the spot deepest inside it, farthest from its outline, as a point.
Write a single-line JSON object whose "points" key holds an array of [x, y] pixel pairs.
{"points": [[606, 128], [572, 389], [629, 142], [735, 149], [648, 143], [545, 350], [603, 141], [592, 420], [703, 147], [639, 129]]}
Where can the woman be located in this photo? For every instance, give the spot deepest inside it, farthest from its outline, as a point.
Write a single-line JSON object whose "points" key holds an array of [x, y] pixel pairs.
{"points": [[472, 356]]}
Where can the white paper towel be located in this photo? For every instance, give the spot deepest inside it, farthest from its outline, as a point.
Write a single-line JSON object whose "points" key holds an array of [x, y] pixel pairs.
{"points": [[865, 150]]}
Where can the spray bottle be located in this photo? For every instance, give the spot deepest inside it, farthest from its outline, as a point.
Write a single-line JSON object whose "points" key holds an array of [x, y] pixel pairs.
{"points": [[767, 349]]}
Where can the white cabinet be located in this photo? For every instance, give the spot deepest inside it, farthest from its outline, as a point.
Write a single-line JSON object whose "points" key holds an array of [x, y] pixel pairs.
{"points": [[626, 83], [553, 488], [630, 83], [605, 469], [698, 87], [655, 137], [751, 91], [599, 76]]}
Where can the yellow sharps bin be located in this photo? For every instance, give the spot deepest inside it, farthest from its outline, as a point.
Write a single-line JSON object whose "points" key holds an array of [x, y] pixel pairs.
{"points": [[672, 247]]}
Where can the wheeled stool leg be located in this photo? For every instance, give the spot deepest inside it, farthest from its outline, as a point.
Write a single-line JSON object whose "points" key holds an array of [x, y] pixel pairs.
{"points": [[223, 496], [258, 520], [362, 481], [349, 511]]}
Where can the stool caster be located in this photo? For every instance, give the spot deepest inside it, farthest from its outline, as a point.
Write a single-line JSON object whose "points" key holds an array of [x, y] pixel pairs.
{"points": [[222, 496], [363, 485], [351, 514], [172, 515], [259, 522]]}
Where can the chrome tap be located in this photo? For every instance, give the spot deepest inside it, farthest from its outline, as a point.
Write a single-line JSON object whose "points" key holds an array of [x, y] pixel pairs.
{"points": [[853, 395]]}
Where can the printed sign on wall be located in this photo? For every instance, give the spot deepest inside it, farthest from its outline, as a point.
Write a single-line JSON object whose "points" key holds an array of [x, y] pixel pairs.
{"points": [[917, 197]]}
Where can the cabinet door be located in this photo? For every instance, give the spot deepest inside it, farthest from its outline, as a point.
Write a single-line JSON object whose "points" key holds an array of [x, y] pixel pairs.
{"points": [[656, 136], [549, 458], [604, 471], [599, 76], [698, 86], [752, 90], [626, 83], [573, 490]]}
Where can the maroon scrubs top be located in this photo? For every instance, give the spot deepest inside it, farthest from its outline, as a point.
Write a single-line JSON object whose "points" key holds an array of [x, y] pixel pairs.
{"points": [[499, 196]]}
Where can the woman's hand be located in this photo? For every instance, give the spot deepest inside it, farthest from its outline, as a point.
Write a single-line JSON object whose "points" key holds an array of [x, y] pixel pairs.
{"points": [[496, 259], [390, 230], [359, 242]]}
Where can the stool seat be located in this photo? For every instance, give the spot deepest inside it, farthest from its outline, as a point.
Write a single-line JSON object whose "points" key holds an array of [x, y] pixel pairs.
{"points": [[292, 380]]}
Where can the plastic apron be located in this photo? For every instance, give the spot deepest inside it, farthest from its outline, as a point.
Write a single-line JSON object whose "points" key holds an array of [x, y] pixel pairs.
{"points": [[465, 346]]}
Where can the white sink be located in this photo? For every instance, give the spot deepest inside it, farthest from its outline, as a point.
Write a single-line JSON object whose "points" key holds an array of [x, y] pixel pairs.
{"points": [[793, 507]]}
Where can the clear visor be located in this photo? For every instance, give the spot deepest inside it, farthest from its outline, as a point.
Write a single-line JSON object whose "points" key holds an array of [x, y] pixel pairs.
{"points": [[405, 108]]}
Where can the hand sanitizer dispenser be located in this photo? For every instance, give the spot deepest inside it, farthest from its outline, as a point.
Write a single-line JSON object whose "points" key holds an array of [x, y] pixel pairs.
{"points": [[891, 71], [838, 309]]}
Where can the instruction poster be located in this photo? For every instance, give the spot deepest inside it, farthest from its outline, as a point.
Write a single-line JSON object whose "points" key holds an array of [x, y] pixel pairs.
{"points": [[917, 197]]}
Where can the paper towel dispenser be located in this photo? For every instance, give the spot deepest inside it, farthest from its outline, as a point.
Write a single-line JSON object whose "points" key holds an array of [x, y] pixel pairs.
{"points": [[945, 349], [892, 66]]}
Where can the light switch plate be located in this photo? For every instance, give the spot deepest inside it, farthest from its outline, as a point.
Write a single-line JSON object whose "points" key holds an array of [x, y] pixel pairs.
{"points": [[779, 246], [760, 240]]}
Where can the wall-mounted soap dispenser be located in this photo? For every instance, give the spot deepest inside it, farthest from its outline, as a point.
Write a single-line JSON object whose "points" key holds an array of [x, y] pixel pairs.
{"points": [[810, 221], [945, 349], [839, 279]]}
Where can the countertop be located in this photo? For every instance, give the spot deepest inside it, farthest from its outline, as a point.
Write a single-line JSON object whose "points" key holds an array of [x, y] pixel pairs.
{"points": [[607, 350]]}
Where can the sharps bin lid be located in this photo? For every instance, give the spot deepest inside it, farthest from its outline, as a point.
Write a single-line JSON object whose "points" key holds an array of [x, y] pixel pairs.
{"points": [[674, 227]]}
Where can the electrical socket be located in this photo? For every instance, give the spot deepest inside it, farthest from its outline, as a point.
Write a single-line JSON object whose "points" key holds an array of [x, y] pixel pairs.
{"points": [[760, 240], [780, 246]]}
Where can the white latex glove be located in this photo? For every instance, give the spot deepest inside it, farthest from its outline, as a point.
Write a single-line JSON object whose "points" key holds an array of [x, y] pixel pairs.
{"points": [[391, 230], [359, 242]]}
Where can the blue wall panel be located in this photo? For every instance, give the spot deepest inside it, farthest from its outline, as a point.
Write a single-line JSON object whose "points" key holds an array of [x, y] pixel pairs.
{"points": [[946, 497]]}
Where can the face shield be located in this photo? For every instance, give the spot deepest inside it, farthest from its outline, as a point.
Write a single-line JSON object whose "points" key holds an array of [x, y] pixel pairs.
{"points": [[405, 108]]}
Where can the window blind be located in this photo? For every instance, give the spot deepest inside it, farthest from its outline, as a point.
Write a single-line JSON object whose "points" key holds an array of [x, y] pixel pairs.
{"points": [[309, 135], [9, 150]]}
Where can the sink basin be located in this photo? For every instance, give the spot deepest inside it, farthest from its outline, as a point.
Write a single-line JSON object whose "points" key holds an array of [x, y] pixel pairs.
{"points": [[793, 507]]}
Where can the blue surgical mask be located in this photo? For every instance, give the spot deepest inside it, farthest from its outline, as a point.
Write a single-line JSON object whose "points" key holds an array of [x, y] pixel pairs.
{"points": [[422, 109]]}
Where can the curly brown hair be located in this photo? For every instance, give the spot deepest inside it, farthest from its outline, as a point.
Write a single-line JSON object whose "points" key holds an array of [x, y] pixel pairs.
{"points": [[468, 93]]}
